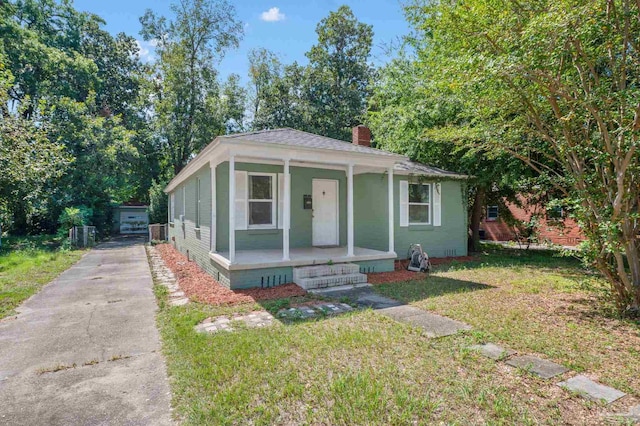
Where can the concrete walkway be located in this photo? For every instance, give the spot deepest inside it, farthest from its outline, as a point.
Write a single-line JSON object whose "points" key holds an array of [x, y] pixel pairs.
{"points": [[432, 324], [85, 350]]}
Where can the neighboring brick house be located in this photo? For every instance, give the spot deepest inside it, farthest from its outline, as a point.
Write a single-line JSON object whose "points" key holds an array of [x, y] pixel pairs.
{"points": [[554, 226]]}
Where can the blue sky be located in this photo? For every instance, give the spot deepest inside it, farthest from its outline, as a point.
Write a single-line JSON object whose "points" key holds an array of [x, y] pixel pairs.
{"points": [[288, 30]]}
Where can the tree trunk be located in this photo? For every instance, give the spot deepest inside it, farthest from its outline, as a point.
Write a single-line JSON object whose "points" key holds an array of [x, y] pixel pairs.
{"points": [[476, 217]]}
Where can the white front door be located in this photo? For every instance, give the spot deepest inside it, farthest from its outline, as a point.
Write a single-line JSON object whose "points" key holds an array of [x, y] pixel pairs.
{"points": [[325, 212]]}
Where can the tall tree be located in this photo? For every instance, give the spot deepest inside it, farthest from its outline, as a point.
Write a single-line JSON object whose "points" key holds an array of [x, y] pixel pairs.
{"points": [[76, 86], [186, 86], [410, 114], [555, 84], [339, 74], [233, 104], [264, 68]]}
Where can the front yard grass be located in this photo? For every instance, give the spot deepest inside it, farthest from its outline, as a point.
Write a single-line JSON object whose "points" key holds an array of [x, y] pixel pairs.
{"points": [[364, 368], [26, 264]]}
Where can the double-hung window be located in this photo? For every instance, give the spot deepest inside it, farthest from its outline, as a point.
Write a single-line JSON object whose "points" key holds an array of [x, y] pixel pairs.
{"points": [[261, 200], [419, 204], [492, 213]]}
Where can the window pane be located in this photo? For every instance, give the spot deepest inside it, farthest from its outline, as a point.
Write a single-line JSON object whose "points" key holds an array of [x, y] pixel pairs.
{"points": [[418, 214], [260, 188], [260, 213], [492, 212], [418, 193]]}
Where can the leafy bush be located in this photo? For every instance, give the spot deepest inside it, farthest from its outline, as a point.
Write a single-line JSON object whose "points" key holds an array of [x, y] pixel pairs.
{"points": [[158, 202], [73, 216]]}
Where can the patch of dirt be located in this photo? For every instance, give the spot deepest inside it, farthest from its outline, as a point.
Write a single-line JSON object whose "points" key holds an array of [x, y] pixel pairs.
{"points": [[401, 274], [201, 287]]}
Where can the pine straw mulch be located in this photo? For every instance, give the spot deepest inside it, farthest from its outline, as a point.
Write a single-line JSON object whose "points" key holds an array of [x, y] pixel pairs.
{"points": [[401, 274], [201, 287]]}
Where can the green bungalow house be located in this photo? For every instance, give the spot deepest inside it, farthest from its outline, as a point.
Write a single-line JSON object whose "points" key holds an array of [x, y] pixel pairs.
{"points": [[275, 206]]}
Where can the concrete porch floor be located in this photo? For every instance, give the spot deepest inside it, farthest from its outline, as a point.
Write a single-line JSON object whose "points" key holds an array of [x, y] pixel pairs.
{"points": [[254, 259]]}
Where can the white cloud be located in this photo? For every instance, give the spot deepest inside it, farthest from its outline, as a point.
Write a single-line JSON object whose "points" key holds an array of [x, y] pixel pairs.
{"points": [[146, 50], [272, 15]]}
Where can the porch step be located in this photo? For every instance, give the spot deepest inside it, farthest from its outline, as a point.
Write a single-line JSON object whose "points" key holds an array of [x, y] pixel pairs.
{"points": [[326, 281], [324, 270]]}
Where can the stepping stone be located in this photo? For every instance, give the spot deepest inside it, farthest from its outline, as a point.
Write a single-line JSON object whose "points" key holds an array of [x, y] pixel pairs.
{"points": [[374, 301], [591, 390], [538, 366], [400, 312], [633, 414], [492, 351], [436, 325], [179, 302]]}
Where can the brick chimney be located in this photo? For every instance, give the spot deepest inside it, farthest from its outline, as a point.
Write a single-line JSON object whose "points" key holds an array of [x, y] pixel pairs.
{"points": [[361, 136]]}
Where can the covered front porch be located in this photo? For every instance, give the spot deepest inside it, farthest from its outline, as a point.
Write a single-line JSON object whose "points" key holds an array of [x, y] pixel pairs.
{"points": [[261, 191], [256, 259]]}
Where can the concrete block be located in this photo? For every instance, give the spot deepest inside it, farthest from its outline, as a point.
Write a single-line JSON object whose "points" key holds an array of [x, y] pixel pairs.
{"points": [[538, 366], [591, 390], [492, 351]]}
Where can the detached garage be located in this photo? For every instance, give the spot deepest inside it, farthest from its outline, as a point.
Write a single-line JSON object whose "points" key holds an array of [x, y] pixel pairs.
{"points": [[131, 218]]}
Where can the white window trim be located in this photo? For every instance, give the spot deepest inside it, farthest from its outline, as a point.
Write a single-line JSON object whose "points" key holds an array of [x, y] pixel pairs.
{"points": [[493, 219], [273, 201], [409, 204], [198, 195]]}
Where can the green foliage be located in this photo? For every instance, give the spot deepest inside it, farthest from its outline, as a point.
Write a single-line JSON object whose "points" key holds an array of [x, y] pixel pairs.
{"points": [[188, 110], [553, 83], [328, 96], [74, 216], [339, 74], [158, 203], [71, 115]]}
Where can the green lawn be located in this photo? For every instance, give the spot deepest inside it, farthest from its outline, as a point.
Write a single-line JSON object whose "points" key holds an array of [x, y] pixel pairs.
{"points": [[363, 368], [26, 264]]}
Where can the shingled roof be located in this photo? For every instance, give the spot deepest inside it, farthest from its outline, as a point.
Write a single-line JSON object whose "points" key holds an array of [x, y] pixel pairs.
{"points": [[298, 138], [426, 170]]}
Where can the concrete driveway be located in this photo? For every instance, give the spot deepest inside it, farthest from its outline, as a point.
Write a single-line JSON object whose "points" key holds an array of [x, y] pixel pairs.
{"points": [[98, 316]]}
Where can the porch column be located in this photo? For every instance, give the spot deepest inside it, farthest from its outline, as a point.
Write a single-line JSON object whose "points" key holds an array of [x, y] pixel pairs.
{"points": [[391, 224], [350, 211], [214, 205], [232, 209], [286, 214]]}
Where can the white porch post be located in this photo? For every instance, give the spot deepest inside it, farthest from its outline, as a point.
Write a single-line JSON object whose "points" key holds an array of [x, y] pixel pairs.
{"points": [[391, 223], [214, 205], [286, 217], [350, 211], [232, 209]]}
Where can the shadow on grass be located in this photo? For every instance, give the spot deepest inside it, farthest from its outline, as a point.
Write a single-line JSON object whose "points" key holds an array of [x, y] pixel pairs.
{"points": [[542, 260], [433, 286]]}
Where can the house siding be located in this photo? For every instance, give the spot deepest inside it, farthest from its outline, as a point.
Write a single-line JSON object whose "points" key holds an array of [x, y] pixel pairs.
{"points": [[301, 219], [370, 222], [192, 242], [372, 218]]}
